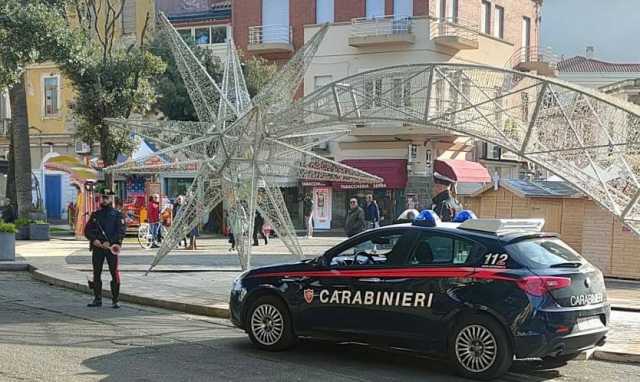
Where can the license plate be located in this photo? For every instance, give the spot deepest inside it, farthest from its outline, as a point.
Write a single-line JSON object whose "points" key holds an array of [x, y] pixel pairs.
{"points": [[589, 323]]}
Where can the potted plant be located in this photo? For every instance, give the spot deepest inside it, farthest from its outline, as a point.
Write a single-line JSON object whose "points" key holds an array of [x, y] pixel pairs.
{"points": [[39, 230], [22, 227], [7, 242]]}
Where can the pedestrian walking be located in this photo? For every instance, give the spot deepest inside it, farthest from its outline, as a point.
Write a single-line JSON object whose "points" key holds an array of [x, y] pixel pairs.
{"points": [[105, 230], [258, 222], [444, 203], [307, 212], [355, 222], [153, 214], [176, 209], [371, 213]]}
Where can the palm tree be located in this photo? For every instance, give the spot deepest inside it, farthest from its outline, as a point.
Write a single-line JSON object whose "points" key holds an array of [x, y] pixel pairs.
{"points": [[21, 147]]}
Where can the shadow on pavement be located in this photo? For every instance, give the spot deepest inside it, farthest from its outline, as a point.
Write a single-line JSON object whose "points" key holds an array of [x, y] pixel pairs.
{"points": [[236, 359]]}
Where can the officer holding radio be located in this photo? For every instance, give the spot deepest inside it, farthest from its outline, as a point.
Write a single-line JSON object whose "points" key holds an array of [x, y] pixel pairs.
{"points": [[105, 231]]}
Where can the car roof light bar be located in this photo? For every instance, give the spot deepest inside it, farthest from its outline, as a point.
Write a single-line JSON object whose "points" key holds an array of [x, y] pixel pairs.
{"points": [[503, 226]]}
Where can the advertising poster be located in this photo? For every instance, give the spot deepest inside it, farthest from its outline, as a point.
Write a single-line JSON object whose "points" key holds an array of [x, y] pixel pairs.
{"points": [[322, 207]]}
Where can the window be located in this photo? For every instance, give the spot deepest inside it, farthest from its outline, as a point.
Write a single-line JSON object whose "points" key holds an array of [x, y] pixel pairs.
{"points": [[4, 103], [526, 34], [542, 253], [373, 93], [428, 160], [375, 8], [413, 152], [203, 36], [498, 28], [486, 17], [51, 86], [214, 34], [453, 12], [275, 21], [129, 17], [440, 250], [324, 11], [401, 92], [378, 250], [525, 106], [403, 8]]}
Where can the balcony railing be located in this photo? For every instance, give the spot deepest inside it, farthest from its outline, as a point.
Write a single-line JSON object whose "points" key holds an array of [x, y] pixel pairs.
{"points": [[380, 26], [270, 34], [454, 32], [383, 30], [534, 58]]}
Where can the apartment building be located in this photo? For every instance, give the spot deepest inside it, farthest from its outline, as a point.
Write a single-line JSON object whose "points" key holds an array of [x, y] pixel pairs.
{"points": [[369, 34]]}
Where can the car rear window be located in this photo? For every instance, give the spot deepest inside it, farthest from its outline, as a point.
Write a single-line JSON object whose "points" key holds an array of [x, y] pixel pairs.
{"points": [[542, 253]]}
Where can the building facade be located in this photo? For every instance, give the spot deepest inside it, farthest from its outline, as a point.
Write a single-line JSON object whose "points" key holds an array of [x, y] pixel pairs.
{"points": [[51, 126], [371, 34]]}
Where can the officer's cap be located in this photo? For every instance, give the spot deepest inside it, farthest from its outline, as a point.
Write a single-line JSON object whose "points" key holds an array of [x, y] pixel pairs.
{"points": [[442, 179]]}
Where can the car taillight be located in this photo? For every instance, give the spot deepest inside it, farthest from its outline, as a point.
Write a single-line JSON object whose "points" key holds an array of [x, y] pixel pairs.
{"points": [[539, 285]]}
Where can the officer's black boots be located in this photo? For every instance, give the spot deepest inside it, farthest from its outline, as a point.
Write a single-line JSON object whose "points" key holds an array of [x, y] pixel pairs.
{"points": [[115, 294], [97, 293]]}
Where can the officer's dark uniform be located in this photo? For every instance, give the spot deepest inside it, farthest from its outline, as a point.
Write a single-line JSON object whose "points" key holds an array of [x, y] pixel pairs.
{"points": [[105, 225], [444, 204]]}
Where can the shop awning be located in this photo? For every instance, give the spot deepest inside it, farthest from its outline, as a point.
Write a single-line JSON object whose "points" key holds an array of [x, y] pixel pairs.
{"points": [[393, 171], [462, 171], [73, 166]]}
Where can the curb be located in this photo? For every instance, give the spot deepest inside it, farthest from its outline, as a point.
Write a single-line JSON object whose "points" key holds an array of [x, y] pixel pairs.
{"points": [[202, 310], [13, 266], [610, 356]]}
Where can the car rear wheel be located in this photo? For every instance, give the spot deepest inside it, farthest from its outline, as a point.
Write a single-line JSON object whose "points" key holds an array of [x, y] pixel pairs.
{"points": [[269, 324], [479, 348]]}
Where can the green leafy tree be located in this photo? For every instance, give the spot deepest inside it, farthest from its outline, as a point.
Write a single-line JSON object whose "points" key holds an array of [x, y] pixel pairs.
{"points": [[116, 79], [173, 99], [30, 32]]}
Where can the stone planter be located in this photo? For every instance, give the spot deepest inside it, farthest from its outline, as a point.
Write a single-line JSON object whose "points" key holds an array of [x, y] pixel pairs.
{"points": [[22, 232], [7, 246], [38, 231]]}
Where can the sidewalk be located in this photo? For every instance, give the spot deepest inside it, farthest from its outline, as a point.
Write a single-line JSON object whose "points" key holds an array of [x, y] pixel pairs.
{"points": [[198, 282]]}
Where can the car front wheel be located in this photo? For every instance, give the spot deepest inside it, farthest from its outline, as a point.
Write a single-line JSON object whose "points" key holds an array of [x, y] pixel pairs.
{"points": [[269, 324], [479, 348]]}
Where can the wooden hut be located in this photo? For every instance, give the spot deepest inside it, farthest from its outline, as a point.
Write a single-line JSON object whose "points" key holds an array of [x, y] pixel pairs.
{"points": [[588, 228]]}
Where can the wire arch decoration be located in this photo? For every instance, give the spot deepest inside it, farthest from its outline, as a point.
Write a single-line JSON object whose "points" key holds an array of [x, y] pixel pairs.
{"points": [[589, 139], [243, 148], [238, 149]]}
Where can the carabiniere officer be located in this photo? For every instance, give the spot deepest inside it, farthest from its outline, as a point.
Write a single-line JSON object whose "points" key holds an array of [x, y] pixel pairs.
{"points": [[105, 230]]}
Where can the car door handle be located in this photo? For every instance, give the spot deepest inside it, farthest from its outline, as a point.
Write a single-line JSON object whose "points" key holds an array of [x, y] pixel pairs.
{"points": [[371, 280], [300, 278]]}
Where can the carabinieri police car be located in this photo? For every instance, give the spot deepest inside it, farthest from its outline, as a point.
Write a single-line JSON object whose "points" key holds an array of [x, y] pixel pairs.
{"points": [[482, 292]]}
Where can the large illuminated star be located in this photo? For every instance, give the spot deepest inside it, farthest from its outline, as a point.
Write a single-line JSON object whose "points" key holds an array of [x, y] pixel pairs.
{"points": [[241, 148]]}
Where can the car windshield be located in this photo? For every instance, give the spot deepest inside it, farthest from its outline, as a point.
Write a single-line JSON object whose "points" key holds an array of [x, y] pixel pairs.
{"points": [[542, 253]]}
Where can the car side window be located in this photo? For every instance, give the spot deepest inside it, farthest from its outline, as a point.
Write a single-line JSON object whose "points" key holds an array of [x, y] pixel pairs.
{"points": [[441, 250], [376, 250]]}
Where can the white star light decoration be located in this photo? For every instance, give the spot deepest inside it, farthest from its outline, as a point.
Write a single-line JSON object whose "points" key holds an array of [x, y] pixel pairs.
{"points": [[241, 148]]}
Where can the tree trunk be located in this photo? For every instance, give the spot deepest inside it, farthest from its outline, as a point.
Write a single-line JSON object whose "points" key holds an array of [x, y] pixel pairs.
{"points": [[11, 175], [21, 147]]}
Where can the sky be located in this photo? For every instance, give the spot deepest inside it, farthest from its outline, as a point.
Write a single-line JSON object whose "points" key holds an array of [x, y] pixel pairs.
{"points": [[612, 27]]}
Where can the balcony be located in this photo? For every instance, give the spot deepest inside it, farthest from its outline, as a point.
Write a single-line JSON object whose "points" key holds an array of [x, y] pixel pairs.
{"points": [[270, 39], [454, 33], [535, 59], [381, 31]]}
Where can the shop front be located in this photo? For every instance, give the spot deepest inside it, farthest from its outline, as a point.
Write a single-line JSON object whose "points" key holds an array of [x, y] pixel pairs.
{"points": [[331, 199]]}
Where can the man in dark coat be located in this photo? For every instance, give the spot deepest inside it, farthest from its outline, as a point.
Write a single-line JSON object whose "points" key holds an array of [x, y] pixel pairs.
{"points": [[371, 212], [354, 223], [258, 222], [105, 230], [444, 204]]}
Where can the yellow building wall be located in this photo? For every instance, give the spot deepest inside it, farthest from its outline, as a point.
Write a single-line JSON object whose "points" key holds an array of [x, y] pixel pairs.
{"points": [[35, 74], [35, 99]]}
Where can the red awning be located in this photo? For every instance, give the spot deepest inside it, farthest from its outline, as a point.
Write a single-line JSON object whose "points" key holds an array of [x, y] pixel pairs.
{"points": [[393, 171], [462, 171]]}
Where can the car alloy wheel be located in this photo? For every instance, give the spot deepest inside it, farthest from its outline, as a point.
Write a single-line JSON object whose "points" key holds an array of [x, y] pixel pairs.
{"points": [[476, 348], [267, 324]]}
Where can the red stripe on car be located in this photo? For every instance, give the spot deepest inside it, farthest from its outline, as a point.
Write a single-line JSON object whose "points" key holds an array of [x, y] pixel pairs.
{"points": [[396, 272]]}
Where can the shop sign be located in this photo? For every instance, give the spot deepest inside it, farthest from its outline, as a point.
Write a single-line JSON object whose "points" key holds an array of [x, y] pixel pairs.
{"points": [[357, 186]]}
